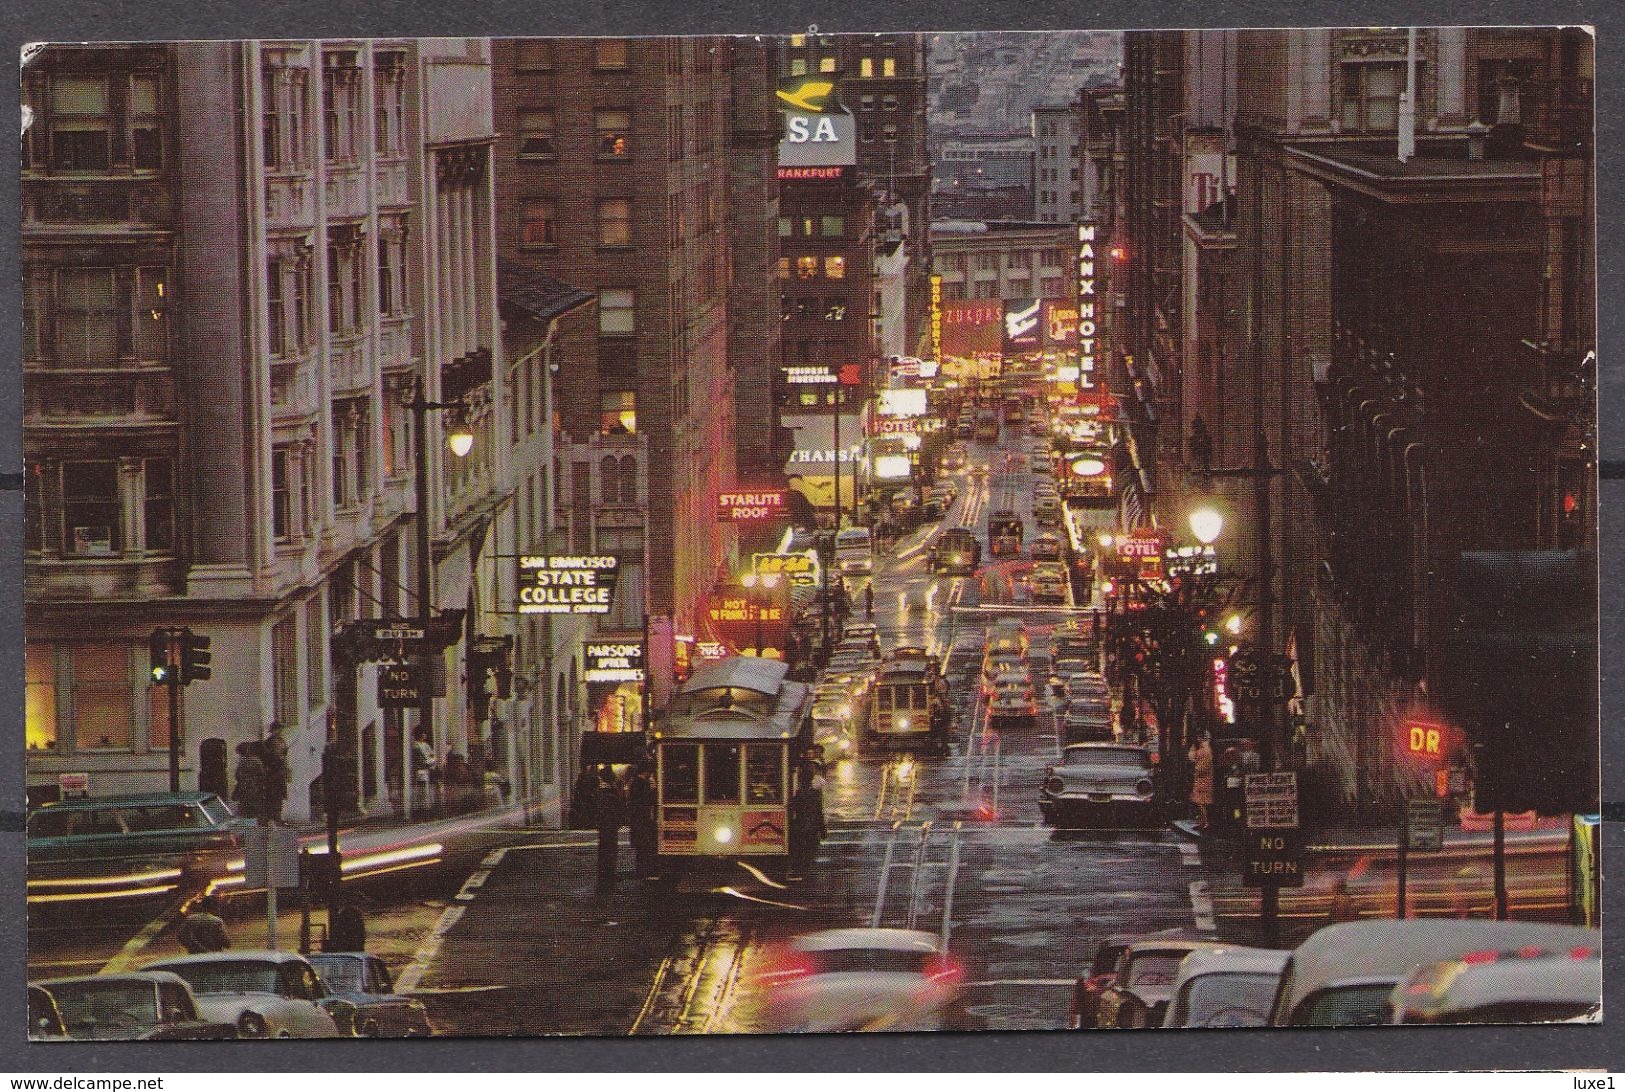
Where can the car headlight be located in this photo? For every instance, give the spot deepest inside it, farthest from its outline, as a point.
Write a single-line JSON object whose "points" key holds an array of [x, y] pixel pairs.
{"points": [[1144, 786]]}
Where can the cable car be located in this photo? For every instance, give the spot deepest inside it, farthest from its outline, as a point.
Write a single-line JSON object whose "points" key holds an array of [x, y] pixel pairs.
{"points": [[725, 755]]}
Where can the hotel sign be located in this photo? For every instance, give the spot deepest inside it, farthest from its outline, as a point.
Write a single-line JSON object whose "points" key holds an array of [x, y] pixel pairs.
{"points": [[1088, 340], [566, 584], [936, 316], [802, 375]]}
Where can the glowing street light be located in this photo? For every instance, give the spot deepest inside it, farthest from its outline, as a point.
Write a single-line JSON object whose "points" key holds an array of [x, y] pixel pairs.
{"points": [[1232, 625], [460, 439], [1206, 525]]}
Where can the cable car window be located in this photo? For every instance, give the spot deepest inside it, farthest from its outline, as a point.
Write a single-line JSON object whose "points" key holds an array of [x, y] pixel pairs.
{"points": [[764, 774], [722, 773], [680, 773], [917, 697]]}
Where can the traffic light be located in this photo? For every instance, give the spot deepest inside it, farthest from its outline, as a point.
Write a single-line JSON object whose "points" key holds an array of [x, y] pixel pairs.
{"points": [[163, 668], [195, 658]]}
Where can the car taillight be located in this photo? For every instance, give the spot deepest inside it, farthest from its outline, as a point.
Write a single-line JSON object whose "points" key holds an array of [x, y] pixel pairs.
{"points": [[786, 965], [944, 969], [1143, 786]]}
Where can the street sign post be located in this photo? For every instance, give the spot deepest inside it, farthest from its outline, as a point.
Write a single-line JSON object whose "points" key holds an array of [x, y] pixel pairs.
{"points": [[270, 860], [1273, 859], [400, 686], [1272, 801], [1420, 830]]}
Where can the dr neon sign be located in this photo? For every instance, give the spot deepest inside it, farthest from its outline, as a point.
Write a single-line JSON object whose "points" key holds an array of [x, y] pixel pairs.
{"points": [[1087, 339]]}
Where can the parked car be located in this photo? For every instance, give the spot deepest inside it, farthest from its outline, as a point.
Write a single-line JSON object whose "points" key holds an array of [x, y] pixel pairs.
{"points": [[1143, 983], [1225, 986], [364, 981], [1528, 985], [44, 1018], [854, 980], [1102, 971], [1345, 974], [152, 1005], [1098, 783], [1009, 709], [267, 995], [1087, 724]]}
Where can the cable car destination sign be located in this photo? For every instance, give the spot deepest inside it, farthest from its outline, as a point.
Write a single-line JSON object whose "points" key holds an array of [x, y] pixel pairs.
{"points": [[566, 583]]}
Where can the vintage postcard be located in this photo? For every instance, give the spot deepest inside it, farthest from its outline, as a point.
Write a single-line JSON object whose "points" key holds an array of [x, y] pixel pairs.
{"points": [[861, 532]]}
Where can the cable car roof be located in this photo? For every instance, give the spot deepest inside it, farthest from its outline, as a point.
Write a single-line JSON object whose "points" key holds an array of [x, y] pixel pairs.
{"points": [[738, 698], [755, 673]]}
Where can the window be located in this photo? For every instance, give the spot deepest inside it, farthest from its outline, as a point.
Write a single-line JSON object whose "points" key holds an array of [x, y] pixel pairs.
{"points": [[315, 651], [344, 275], [833, 227], [1514, 77], [281, 495], [609, 53], [615, 222], [835, 267], [158, 503], [866, 68], [806, 267], [146, 145], [90, 508], [798, 66], [888, 133], [341, 86], [787, 227], [834, 310], [538, 222], [1019, 261], [158, 734], [889, 102], [276, 313], [389, 93], [533, 54], [536, 134], [282, 93], [81, 124], [826, 64], [618, 480], [391, 269], [680, 773], [784, 266], [101, 697], [616, 314], [86, 318], [888, 66], [1371, 96], [285, 671], [40, 698], [764, 774], [722, 773], [618, 413], [614, 133]]}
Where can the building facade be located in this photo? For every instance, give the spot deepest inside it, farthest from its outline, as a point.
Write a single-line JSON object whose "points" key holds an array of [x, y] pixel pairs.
{"points": [[1060, 192], [240, 259]]}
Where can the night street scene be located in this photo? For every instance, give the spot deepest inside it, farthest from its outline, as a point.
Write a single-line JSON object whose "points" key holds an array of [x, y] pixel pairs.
{"points": [[647, 536]]}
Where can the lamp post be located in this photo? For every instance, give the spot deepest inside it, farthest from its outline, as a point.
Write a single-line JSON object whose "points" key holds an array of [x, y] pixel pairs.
{"points": [[461, 442]]}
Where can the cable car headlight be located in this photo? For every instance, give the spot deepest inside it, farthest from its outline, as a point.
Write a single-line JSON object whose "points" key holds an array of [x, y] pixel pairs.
{"points": [[723, 834], [902, 723]]}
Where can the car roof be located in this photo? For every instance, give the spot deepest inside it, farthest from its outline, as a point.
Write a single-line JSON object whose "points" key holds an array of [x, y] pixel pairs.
{"points": [[232, 955], [1456, 986], [1231, 958], [892, 940], [1381, 949], [154, 978], [1142, 751], [135, 799], [1154, 945]]}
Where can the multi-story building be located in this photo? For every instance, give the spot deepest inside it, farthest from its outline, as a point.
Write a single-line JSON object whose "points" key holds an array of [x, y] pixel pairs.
{"points": [[1394, 342], [985, 177], [239, 261], [1004, 260], [634, 169], [1060, 183]]}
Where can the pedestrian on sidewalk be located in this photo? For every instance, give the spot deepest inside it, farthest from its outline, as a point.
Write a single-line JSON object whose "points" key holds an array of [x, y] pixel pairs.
{"points": [[806, 817], [454, 780], [274, 753], [1201, 765], [250, 791], [641, 801], [869, 599], [348, 930], [204, 930], [608, 814], [424, 773], [581, 810]]}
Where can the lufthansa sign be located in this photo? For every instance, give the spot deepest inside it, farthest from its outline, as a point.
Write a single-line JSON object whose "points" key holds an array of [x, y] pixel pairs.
{"points": [[568, 584], [818, 130]]}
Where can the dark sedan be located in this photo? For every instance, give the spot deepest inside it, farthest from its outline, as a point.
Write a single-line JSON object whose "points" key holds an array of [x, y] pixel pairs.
{"points": [[364, 981], [151, 1005]]}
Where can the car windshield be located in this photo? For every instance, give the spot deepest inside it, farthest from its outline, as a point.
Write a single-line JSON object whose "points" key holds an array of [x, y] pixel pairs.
{"points": [[113, 1003], [1107, 756], [339, 974], [1342, 1006], [1153, 968], [1106, 957], [1228, 1000], [229, 976]]}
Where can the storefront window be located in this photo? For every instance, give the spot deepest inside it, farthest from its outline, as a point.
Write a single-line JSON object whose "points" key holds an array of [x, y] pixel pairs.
{"points": [[101, 697], [40, 671]]}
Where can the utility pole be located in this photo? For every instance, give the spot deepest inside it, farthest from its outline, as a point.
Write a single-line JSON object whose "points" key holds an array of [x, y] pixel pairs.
{"points": [[420, 442]]}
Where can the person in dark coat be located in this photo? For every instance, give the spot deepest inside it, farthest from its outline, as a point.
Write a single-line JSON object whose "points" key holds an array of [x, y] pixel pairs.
{"points": [[455, 781], [204, 930], [250, 792], [348, 931], [608, 813], [274, 753], [807, 828], [642, 799], [581, 802]]}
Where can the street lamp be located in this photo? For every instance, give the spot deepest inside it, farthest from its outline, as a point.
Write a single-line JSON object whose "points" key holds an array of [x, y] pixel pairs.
{"points": [[460, 439], [1206, 524]]}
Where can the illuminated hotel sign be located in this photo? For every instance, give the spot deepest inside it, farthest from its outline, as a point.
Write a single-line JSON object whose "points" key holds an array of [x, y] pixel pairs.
{"points": [[809, 374], [749, 506], [572, 584], [819, 133], [612, 661], [1089, 347]]}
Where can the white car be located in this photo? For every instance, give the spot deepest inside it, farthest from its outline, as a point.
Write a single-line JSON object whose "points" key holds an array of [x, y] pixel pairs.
{"points": [[853, 980], [267, 995]]}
